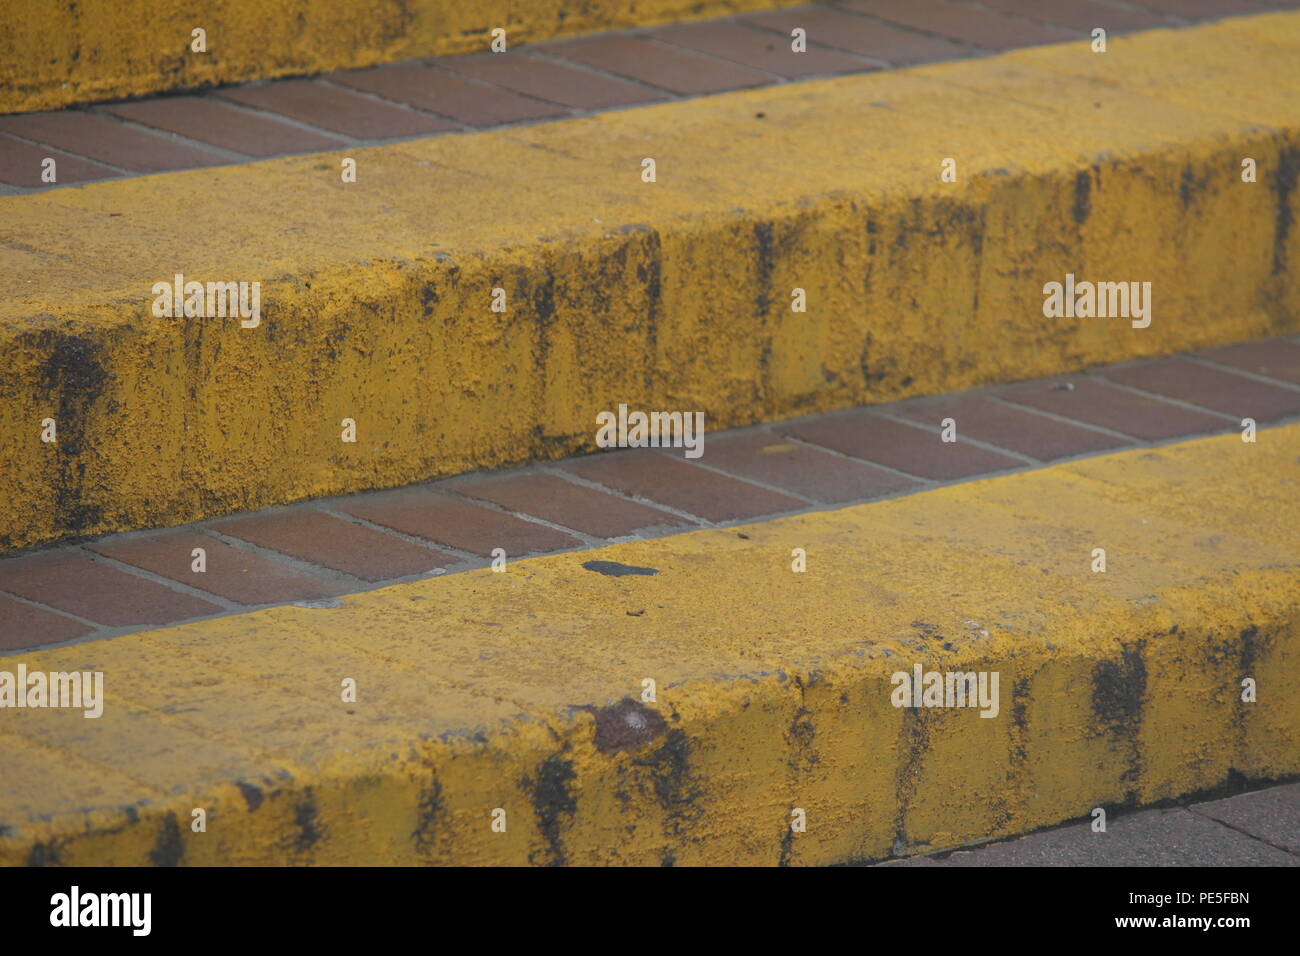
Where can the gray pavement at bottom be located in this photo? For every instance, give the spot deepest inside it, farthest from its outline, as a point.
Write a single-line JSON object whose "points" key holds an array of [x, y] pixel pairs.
{"points": [[1258, 828]]}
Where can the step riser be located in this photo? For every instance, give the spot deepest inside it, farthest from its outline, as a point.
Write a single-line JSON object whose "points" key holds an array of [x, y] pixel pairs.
{"points": [[910, 294]]}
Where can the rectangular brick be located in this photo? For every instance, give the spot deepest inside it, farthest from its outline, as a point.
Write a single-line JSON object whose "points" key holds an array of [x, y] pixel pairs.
{"points": [[916, 451], [70, 580], [1210, 388], [475, 104], [1201, 9], [843, 31], [1084, 15], [759, 49], [981, 28], [679, 484], [1092, 401], [22, 626], [231, 573], [566, 85], [456, 523], [668, 68], [20, 165], [815, 474], [340, 110], [564, 502], [1020, 431], [108, 141], [211, 121], [1275, 358], [332, 542]]}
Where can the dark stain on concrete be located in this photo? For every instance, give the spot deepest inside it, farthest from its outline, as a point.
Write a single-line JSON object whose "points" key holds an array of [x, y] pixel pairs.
{"points": [[675, 787], [75, 375], [626, 725], [614, 569], [1118, 689], [1082, 196], [45, 854], [168, 849], [554, 804], [1288, 170], [305, 818], [428, 812], [252, 794], [765, 262]]}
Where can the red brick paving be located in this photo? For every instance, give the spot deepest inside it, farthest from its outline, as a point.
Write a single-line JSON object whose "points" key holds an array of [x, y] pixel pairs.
{"points": [[1211, 388], [843, 31], [231, 573], [337, 109], [218, 124], [335, 543], [455, 523], [1037, 436], [767, 457], [1084, 15], [22, 625], [69, 580], [673, 481], [475, 104], [575, 506], [981, 28], [914, 450], [556, 82], [734, 480], [108, 141], [20, 165], [1093, 402], [666, 67], [759, 49]]}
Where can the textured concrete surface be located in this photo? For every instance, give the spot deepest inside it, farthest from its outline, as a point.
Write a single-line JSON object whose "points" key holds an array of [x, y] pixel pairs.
{"points": [[667, 295], [521, 691]]}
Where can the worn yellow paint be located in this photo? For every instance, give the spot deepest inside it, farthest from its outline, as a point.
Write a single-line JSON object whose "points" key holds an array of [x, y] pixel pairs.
{"points": [[56, 54], [673, 295], [480, 690]]}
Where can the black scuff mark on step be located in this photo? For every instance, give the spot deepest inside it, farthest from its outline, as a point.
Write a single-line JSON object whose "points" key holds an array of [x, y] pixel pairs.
{"points": [[1018, 754], [74, 372], [765, 262], [1082, 196], [1288, 170], [614, 569], [306, 819], [45, 854], [913, 744], [252, 794], [1118, 695], [675, 786], [169, 849], [554, 804], [429, 812]]}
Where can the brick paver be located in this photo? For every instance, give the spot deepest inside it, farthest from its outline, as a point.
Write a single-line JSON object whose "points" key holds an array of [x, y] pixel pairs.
{"points": [[333, 108], [697, 491], [1084, 15], [1037, 436], [1092, 401], [219, 124], [1211, 388], [1280, 360], [556, 82], [455, 523], [838, 30], [22, 625], [914, 450], [70, 580], [575, 506], [231, 573], [21, 165], [475, 104], [335, 543], [666, 67], [982, 28], [108, 141], [758, 49]]}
